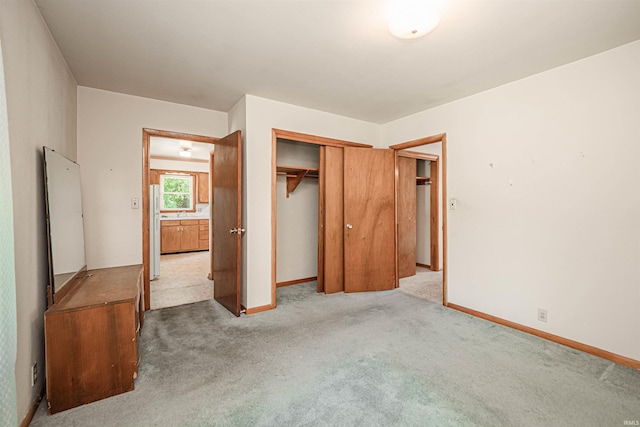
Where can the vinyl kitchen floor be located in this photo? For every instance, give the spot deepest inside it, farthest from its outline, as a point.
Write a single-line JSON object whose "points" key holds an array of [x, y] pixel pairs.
{"points": [[183, 280]]}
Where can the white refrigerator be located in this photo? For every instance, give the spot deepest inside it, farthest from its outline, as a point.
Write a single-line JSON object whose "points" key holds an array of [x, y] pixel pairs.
{"points": [[154, 232]]}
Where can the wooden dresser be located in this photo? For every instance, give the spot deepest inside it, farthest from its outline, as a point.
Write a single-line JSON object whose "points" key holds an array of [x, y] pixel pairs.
{"points": [[91, 338]]}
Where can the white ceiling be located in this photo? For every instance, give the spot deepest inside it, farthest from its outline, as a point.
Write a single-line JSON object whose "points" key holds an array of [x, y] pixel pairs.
{"points": [[168, 147], [331, 55]]}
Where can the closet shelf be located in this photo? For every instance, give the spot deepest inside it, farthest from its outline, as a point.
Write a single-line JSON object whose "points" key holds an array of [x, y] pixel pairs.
{"points": [[423, 180], [294, 175]]}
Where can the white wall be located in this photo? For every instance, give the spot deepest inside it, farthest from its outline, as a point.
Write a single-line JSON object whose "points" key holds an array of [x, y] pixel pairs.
{"points": [[178, 165], [546, 171], [297, 215], [110, 155], [262, 115], [423, 215], [41, 103]]}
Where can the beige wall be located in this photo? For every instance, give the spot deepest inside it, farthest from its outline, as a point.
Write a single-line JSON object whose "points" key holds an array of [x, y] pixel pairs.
{"points": [[546, 172], [41, 102], [178, 165], [110, 155]]}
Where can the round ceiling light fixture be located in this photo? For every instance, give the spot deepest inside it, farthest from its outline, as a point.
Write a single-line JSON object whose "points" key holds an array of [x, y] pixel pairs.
{"points": [[410, 19]]}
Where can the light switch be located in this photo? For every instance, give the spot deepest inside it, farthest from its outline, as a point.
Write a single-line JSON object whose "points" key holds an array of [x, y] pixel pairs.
{"points": [[453, 204], [135, 203]]}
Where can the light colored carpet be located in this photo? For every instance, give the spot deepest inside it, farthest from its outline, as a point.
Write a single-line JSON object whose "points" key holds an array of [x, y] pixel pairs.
{"points": [[425, 284], [366, 359], [183, 280]]}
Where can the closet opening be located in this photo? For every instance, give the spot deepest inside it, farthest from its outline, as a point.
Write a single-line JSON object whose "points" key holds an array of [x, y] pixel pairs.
{"points": [[307, 222], [422, 216], [297, 171]]}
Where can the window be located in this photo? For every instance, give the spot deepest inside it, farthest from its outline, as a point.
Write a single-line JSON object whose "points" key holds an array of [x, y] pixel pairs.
{"points": [[177, 192]]}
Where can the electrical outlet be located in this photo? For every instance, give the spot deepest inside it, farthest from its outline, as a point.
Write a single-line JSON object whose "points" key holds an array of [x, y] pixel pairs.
{"points": [[453, 204], [34, 374], [542, 315], [135, 203]]}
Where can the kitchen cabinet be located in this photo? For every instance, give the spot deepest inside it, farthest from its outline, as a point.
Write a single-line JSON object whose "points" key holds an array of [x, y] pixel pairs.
{"points": [[203, 234], [180, 236], [203, 187], [154, 177]]}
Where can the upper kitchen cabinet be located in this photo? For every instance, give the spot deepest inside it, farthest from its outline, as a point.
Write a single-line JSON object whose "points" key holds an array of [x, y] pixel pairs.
{"points": [[203, 187]]}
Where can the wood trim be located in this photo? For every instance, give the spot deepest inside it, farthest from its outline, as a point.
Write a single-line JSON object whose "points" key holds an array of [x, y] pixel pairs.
{"points": [[180, 135], [239, 240], [417, 142], [418, 155], [179, 159], [396, 178], [33, 408], [146, 138], [314, 139], [434, 218], [274, 235], [211, 264], [616, 358], [445, 270], [423, 265], [296, 282], [259, 309]]}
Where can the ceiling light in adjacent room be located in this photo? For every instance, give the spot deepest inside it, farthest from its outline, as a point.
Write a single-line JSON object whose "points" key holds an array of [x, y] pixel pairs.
{"points": [[410, 19], [185, 152]]}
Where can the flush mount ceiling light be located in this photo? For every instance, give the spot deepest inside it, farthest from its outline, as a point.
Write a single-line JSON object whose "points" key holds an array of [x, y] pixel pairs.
{"points": [[410, 19], [185, 152]]}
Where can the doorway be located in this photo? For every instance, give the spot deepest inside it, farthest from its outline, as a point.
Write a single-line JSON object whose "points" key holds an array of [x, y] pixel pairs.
{"points": [[431, 150], [187, 219], [180, 267]]}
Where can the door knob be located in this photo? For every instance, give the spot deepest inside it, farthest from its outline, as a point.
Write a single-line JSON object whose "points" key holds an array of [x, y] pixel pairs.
{"points": [[349, 226]]}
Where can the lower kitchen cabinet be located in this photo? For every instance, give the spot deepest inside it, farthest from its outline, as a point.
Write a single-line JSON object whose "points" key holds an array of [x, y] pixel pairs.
{"points": [[181, 236]]}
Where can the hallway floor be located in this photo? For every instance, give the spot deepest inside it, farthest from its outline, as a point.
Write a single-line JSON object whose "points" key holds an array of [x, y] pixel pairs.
{"points": [[183, 280], [425, 284]]}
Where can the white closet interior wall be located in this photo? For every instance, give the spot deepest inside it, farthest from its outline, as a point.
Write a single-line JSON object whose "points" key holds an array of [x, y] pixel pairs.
{"points": [[423, 200], [297, 215]]}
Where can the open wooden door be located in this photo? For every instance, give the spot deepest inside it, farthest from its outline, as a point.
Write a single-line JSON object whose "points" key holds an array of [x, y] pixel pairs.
{"points": [[227, 221], [211, 204], [369, 220]]}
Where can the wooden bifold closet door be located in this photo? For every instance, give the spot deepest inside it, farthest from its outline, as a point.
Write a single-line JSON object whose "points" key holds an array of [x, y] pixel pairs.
{"points": [[357, 220], [407, 168], [331, 221]]}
